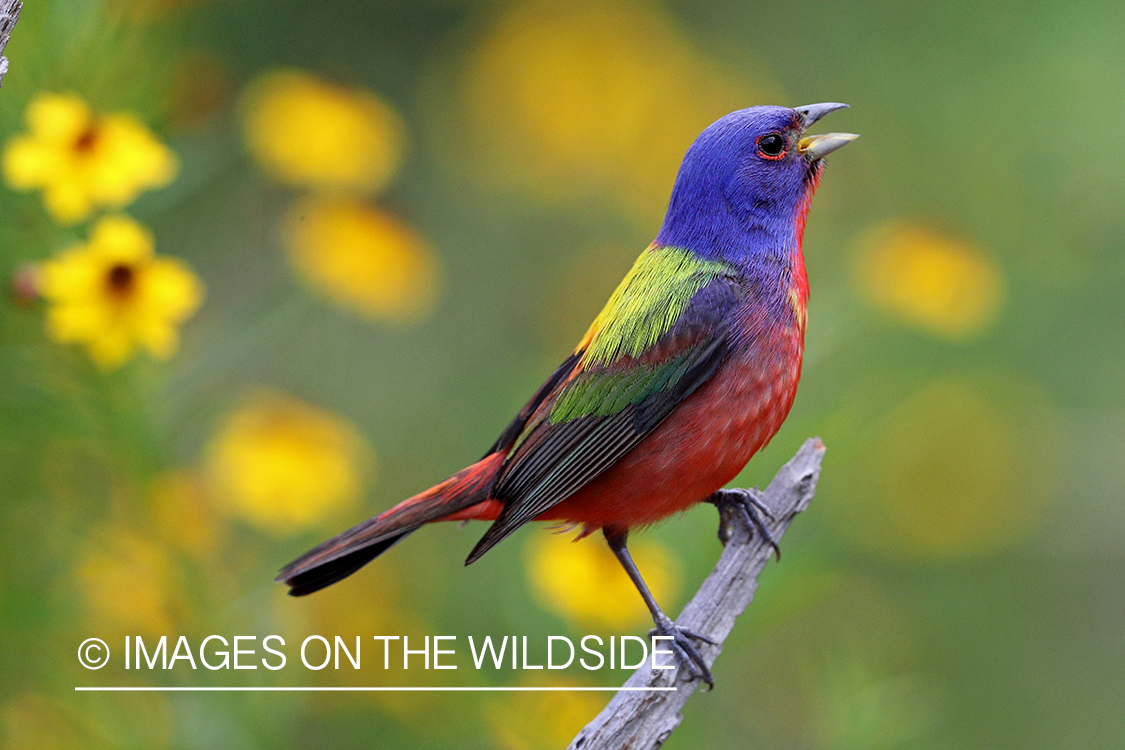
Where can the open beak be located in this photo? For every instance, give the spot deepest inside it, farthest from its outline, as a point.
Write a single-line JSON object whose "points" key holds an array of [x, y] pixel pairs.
{"points": [[815, 147]]}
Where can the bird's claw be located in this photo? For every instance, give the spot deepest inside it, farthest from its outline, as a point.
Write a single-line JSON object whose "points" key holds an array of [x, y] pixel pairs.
{"points": [[748, 505], [685, 650]]}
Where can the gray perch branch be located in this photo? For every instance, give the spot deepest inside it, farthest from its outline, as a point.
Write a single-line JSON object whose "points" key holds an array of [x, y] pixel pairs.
{"points": [[641, 720], [9, 14]]}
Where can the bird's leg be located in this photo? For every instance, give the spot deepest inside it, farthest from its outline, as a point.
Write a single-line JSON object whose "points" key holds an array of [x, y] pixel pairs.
{"points": [[747, 504], [684, 649]]}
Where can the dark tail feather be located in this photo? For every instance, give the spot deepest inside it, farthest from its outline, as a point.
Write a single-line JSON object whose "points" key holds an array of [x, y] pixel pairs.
{"points": [[328, 573], [346, 553]]}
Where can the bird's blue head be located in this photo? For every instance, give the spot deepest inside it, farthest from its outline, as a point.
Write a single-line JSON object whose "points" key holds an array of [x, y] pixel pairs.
{"points": [[744, 186]]}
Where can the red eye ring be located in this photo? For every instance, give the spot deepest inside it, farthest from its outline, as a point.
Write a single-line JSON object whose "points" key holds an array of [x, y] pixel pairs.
{"points": [[772, 146]]}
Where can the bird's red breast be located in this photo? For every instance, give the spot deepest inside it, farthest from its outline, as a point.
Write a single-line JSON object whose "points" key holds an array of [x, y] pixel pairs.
{"points": [[702, 446]]}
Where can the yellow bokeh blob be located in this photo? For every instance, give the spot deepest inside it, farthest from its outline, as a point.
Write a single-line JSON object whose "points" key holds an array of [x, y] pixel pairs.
{"points": [[362, 258], [83, 160], [564, 97], [283, 465], [307, 132], [949, 287], [114, 295], [583, 582], [533, 720], [128, 583], [954, 470], [183, 518]]}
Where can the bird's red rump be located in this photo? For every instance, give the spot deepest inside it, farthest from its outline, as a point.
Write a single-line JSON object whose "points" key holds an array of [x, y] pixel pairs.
{"points": [[489, 510]]}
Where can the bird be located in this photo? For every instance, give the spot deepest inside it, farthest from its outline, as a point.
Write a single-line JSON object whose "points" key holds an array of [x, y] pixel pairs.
{"points": [[690, 369]]}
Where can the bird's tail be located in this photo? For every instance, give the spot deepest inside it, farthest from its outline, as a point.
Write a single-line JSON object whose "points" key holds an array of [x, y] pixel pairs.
{"points": [[346, 553]]}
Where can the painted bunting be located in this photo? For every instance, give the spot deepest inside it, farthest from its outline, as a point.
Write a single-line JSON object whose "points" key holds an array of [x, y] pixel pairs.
{"points": [[689, 369]]}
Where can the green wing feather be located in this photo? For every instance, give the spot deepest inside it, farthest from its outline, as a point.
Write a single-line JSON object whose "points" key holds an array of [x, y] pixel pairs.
{"points": [[645, 353]]}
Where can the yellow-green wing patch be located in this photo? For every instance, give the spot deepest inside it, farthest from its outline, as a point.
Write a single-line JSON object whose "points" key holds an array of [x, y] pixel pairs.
{"points": [[650, 298]]}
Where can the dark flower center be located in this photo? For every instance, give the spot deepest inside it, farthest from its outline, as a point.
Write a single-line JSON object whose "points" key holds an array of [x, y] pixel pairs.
{"points": [[121, 279], [87, 139]]}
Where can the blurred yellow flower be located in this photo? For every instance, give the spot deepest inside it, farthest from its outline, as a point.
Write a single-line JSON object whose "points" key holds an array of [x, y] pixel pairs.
{"points": [[954, 470], [565, 97], [127, 582], [82, 160], [584, 583], [283, 465], [307, 132], [113, 294], [534, 720], [362, 258], [946, 286], [182, 516]]}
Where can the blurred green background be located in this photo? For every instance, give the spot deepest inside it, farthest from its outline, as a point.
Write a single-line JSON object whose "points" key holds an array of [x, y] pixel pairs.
{"points": [[404, 214]]}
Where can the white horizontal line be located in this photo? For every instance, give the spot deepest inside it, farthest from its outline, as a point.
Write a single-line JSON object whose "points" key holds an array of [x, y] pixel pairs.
{"points": [[311, 689]]}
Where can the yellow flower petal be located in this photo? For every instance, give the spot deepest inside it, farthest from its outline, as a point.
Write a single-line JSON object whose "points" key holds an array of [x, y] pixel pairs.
{"points": [[68, 202], [110, 348], [58, 118], [77, 322], [28, 163], [120, 239], [132, 160]]}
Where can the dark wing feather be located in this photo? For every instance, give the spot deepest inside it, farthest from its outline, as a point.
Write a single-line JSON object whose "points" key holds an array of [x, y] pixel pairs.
{"points": [[516, 426]]}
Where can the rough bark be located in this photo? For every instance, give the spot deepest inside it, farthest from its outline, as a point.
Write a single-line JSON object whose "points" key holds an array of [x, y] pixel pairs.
{"points": [[9, 14], [644, 720]]}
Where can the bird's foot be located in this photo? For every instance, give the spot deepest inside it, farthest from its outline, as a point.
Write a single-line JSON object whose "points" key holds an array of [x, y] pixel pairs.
{"points": [[748, 504], [684, 649]]}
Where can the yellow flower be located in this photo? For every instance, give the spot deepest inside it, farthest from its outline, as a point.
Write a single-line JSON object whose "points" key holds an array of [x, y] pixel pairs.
{"points": [[954, 470], [181, 514], [564, 97], [532, 720], [82, 160], [362, 258], [584, 583], [310, 133], [283, 465], [948, 287], [127, 583], [113, 294]]}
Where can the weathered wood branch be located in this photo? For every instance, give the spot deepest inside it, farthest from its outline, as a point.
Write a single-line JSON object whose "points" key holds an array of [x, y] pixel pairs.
{"points": [[641, 720], [9, 14]]}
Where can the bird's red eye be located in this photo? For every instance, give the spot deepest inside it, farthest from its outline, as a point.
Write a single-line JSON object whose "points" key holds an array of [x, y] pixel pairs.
{"points": [[772, 146]]}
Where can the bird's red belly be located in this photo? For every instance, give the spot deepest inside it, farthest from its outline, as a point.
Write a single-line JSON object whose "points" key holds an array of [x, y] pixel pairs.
{"points": [[702, 445]]}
